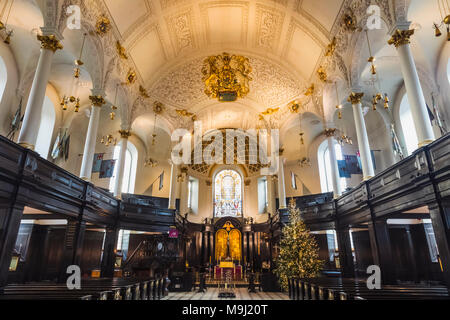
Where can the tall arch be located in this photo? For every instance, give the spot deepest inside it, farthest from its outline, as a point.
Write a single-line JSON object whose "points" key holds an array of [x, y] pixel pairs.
{"points": [[46, 127], [228, 193]]}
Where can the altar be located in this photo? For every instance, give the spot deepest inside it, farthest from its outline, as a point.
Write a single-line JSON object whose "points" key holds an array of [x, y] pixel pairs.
{"points": [[225, 267]]}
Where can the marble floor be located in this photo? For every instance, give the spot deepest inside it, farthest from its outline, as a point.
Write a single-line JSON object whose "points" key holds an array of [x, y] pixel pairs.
{"points": [[212, 294]]}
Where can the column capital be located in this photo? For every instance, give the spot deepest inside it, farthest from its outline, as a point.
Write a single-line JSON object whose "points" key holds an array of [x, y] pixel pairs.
{"points": [[329, 132], [401, 37], [97, 101], [50, 42], [355, 97], [125, 133]]}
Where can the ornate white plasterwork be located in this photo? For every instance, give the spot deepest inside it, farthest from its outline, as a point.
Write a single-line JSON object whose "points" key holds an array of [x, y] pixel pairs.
{"points": [[181, 29], [269, 23], [183, 86]]}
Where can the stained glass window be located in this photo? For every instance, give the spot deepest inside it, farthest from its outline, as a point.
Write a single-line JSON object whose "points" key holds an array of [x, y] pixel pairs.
{"points": [[227, 194]]}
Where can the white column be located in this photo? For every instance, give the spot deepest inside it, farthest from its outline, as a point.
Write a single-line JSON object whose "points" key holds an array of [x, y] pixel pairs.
{"points": [[334, 168], [91, 138], [416, 99], [281, 185], [32, 117], [184, 191], [124, 134], [173, 186], [361, 133], [271, 195]]}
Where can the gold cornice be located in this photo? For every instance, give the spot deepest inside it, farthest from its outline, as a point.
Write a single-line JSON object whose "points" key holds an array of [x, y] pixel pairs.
{"points": [[50, 42], [330, 132], [401, 37], [355, 97], [97, 101]]}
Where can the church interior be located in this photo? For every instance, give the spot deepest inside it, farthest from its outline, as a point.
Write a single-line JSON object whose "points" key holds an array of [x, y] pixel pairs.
{"points": [[157, 149]]}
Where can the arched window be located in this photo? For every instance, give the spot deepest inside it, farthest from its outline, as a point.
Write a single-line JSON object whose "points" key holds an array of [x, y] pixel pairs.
{"points": [[408, 128], [45, 132], [263, 201], [228, 194], [129, 171], [3, 77], [326, 177]]}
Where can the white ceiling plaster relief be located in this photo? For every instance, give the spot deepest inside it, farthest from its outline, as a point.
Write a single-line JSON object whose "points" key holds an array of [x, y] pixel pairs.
{"points": [[139, 10], [148, 54], [304, 60], [271, 85], [181, 29], [233, 14], [269, 23]]}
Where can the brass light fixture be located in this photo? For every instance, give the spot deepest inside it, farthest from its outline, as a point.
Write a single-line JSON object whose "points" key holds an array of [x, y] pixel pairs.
{"points": [[75, 84], [112, 115], [303, 161], [371, 59], [226, 77], [109, 140], [4, 26], [338, 105], [157, 109], [444, 10]]}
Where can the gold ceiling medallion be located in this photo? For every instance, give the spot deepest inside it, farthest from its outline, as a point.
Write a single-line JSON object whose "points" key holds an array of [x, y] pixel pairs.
{"points": [[294, 106], [226, 77], [131, 77], [143, 92], [121, 51], [103, 25], [349, 21]]}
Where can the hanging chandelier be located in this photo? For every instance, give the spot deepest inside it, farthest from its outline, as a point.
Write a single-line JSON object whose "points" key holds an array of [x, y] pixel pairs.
{"points": [[157, 109], [339, 134], [378, 96], [75, 84], [112, 115], [226, 77], [444, 10]]}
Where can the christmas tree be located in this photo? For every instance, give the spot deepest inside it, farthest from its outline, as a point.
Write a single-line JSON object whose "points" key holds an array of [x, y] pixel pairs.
{"points": [[299, 254]]}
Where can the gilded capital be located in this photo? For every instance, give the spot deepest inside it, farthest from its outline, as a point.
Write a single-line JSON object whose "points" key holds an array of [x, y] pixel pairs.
{"points": [[401, 37], [330, 132], [50, 42], [97, 101], [125, 133], [355, 97]]}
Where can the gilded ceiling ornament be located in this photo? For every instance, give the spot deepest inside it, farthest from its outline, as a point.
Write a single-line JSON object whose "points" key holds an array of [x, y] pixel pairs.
{"points": [[50, 42], [125, 133], [103, 25], [322, 74], [294, 106], [349, 21], [310, 90], [270, 111], [121, 51], [331, 48], [226, 77], [158, 107], [131, 77], [401, 37], [184, 113], [143, 92], [355, 98], [97, 101]]}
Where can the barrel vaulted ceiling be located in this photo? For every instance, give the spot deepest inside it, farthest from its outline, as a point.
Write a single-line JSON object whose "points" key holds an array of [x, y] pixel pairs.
{"points": [[168, 40]]}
